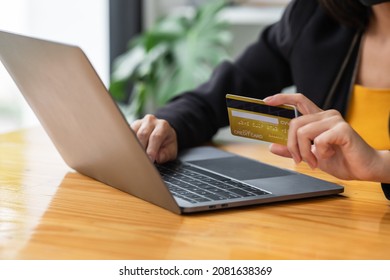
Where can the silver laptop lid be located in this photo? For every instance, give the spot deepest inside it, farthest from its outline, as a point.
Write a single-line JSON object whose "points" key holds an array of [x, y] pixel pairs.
{"points": [[80, 116]]}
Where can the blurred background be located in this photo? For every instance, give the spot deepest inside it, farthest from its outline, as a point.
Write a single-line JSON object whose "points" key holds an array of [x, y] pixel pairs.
{"points": [[105, 29]]}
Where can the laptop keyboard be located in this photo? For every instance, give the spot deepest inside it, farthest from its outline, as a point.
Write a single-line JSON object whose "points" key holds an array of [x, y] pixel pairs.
{"points": [[194, 184]]}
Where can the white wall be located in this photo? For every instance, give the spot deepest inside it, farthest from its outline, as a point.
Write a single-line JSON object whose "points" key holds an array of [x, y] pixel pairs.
{"points": [[77, 22]]}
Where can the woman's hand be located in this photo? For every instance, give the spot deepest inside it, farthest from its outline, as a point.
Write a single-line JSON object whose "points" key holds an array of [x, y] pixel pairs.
{"points": [[323, 139], [157, 137], [305, 107]]}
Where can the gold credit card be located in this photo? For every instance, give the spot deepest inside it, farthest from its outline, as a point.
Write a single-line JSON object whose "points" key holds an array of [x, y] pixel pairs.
{"points": [[252, 118]]}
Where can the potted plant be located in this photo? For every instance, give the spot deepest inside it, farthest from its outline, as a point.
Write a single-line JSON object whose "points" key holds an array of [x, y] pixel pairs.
{"points": [[178, 53]]}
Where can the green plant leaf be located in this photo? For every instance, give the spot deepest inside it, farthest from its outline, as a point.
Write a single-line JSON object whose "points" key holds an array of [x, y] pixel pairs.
{"points": [[177, 54]]}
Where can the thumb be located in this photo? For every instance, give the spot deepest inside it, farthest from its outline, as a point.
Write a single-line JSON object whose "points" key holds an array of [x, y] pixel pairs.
{"points": [[279, 150]]}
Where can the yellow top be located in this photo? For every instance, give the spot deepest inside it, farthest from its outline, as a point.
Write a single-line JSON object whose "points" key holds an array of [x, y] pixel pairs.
{"points": [[369, 114]]}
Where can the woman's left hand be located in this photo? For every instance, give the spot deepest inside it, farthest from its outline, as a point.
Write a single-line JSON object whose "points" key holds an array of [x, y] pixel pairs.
{"points": [[323, 139], [307, 108]]}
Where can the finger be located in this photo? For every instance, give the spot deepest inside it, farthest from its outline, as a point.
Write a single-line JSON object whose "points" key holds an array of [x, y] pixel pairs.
{"points": [[169, 148], [336, 136], [145, 129], [296, 142], [303, 104], [305, 146], [322, 148], [310, 133], [279, 150], [292, 140], [135, 125], [156, 140], [166, 153]]}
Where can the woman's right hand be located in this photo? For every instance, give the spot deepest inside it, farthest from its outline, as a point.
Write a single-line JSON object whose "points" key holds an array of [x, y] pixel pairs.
{"points": [[157, 137]]}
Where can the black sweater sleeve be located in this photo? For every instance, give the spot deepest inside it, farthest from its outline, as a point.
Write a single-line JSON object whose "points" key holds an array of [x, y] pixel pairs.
{"points": [[262, 70], [386, 190]]}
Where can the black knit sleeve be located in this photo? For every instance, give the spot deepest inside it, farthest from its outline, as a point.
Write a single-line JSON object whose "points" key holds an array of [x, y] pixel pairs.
{"points": [[386, 190]]}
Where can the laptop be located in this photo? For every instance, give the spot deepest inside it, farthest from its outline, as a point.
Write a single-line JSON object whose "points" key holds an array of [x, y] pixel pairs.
{"points": [[93, 137]]}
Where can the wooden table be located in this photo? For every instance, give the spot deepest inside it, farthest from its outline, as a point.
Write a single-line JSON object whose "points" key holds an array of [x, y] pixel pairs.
{"points": [[47, 211]]}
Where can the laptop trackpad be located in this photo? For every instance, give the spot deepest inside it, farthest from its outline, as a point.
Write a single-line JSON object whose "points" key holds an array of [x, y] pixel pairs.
{"points": [[241, 168]]}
